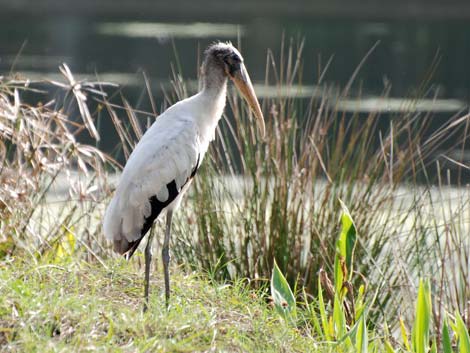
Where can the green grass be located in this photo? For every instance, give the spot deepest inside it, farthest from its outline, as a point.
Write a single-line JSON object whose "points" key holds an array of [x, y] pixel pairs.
{"points": [[61, 290], [79, 306]]}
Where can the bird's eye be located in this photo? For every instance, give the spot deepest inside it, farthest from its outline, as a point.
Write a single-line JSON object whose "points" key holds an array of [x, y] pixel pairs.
{"points": [[236, 58], [232, 59]]}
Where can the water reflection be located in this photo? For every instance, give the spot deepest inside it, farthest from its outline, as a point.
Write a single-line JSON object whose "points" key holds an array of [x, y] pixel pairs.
{"points": [[352, 105], [119, 49], [402, 61], [400, 105], [170, 30]]}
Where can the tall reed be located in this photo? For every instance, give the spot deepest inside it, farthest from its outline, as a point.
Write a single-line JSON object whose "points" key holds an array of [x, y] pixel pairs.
{"points": [[256, 201], [278, 199]]}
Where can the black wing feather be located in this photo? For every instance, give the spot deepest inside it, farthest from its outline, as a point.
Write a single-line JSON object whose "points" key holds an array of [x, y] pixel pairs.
{"points": [[157, 207]]}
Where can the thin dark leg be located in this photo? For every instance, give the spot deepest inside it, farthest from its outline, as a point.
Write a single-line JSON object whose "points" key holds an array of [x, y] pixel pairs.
{"points": [[148, 260], [166, 256]]}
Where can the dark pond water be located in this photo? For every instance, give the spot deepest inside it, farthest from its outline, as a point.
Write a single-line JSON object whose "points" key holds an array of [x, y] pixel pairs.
{"points": [[119, 50], [406, 51]]}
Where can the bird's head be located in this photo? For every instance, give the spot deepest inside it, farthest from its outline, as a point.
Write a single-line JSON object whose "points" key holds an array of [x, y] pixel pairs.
{"points": [[228, 58]]}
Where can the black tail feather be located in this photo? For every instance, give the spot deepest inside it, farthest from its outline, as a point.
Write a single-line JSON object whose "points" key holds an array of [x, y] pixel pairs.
{"points": [[127, 248]]}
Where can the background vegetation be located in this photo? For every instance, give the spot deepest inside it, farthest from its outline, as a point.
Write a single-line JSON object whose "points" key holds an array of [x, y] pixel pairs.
{"points": [[254, 203]]}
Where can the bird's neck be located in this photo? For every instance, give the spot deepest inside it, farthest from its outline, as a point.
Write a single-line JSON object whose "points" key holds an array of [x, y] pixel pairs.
{"points": [[214, 90], [213, 96], [214, 82]]}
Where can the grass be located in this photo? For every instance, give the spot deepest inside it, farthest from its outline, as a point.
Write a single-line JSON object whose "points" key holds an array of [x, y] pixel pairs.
{"points": [[286, 207], [38, 145], [79, 306], [258, 203], [60, 303]]}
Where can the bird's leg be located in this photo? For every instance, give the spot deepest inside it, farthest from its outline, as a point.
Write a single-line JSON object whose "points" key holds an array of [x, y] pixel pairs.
{"points": [[148, 260], [166, 256], [154, 246]]}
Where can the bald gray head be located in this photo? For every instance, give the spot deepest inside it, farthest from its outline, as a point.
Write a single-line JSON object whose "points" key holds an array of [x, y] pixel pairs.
{"points": [[221, 60]]}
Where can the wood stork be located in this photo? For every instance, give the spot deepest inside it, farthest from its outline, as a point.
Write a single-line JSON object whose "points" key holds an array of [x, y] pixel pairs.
{"points": [[166, 159]]}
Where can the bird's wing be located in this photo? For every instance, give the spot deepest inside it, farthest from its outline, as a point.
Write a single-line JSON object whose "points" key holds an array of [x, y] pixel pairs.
{"points": [[163, 161]]}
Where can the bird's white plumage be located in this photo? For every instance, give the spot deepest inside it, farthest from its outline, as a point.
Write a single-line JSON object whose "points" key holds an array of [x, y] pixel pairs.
{"points": [[168, 151], [163, 163]]}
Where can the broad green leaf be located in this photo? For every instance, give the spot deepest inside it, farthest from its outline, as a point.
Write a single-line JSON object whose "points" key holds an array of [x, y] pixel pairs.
{"points": [[420, 335], [446, 340], [461, 330], [360, 335], [283, 297], [331, 327], [339, 319], [362, 339], [344, 249]]}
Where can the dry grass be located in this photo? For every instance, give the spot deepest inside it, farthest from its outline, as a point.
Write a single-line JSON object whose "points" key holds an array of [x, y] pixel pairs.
{"points": [[284, 204], [38, 145], [285, 207]]}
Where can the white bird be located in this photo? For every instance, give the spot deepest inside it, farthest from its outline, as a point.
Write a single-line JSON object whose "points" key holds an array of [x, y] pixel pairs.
{"points": [[166, 159]]}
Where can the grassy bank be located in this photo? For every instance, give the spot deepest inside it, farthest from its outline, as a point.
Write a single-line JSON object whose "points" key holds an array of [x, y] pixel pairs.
{"points": [[63, 290], [78, 306]]}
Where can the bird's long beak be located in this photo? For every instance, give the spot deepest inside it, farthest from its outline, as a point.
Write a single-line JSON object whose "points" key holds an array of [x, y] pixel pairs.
{"points": [[242, 81]]}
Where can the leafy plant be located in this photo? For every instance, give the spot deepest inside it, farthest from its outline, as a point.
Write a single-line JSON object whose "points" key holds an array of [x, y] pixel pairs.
{"points": [[344, 255], [423, 317], [278, 198], [255, 201], [283, 298], [462, 334]]}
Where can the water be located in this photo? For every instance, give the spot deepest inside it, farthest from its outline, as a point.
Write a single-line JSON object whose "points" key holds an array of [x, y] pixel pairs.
{"points": [[118, 49], [107, 46]]}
